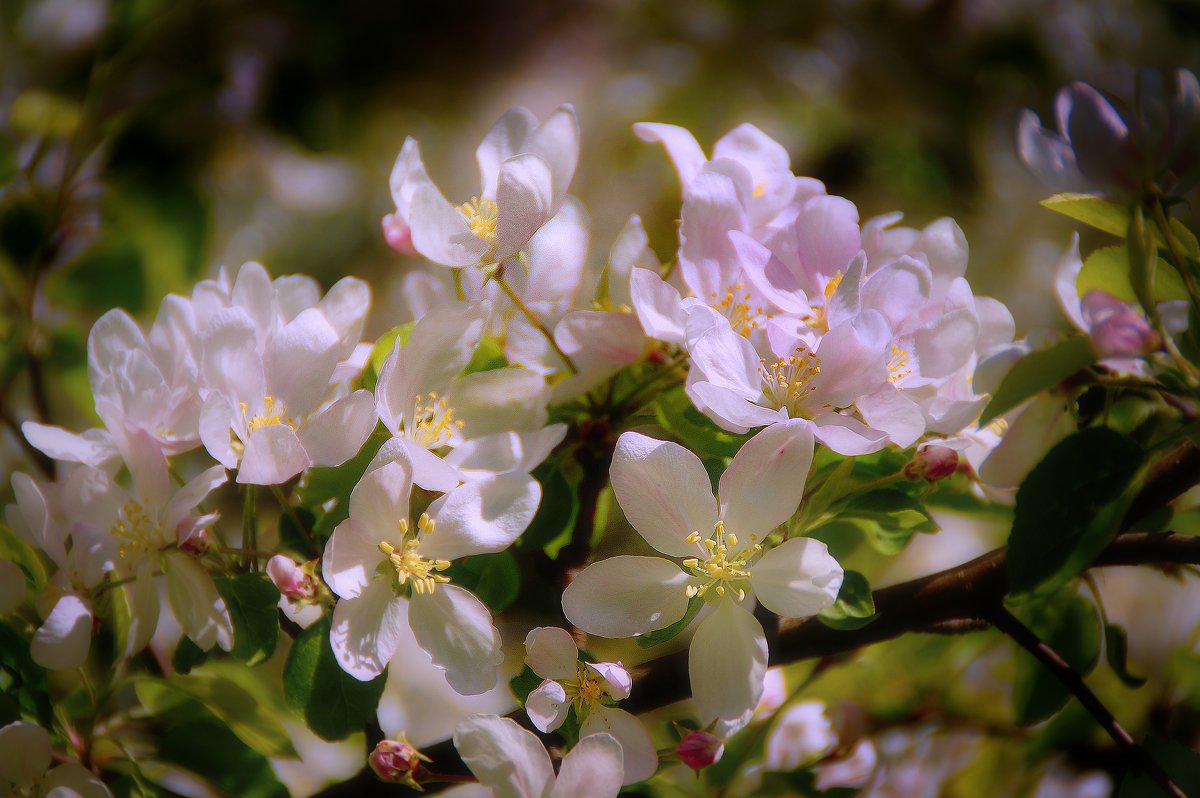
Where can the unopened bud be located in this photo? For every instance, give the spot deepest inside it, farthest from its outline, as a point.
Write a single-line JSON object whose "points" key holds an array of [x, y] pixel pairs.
{"points": [[1117, 330], [398, 235], [699, 749], [396, 761], [195, 543], [932, 463], [291, 579]]}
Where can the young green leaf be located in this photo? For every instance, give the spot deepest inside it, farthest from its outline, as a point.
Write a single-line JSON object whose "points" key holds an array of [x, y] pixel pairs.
{"points": [[855, 606], [334, 704], [1068, 624], [252, 601], [1039, 371]]}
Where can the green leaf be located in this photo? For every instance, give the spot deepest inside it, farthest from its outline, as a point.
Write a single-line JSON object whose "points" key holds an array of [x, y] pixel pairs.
{"points": [[253, 606], [1039, 371], [524, 683], [1093, 211], [298, 540], [210, 750], [1107, 270], [494, 578], [1181, 764], [1116, 651], [1069, 507], [678, 416], [334, 704], [695, 603], [383, 347], [488, 356], [24, 556], [335, 484], [556, 513], [22, 681], [227, 692], [187, 655], [855, 606], [1068, 624], [886, 518]]}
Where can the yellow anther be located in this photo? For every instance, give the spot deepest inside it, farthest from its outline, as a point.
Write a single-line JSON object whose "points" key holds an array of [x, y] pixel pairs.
{"points": [[759, 190], [692, 539], [731, 539], [273, 412], [409, 567], [482, 216], [134, 531], [719, 570]]}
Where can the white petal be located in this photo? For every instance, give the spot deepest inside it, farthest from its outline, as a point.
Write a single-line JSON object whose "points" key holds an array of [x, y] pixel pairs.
{"points": [[551, 652], [899, 289], [680, 144], [507, 451], [504, 756], [592, 769], [482, 516], [24, 753], [253, 294], [216, 416], [230, 360], [732, 409], [557, 255], [764, 483], [351, 557], [892, 411], [191, 494], [63, 641], [366, 630], [852, 360], [945, 245], [631, 250], [614, 678], [556, 140], [596, 339], [727, 359], [113, 333], [337, 433], [727, 663], [663, 490], [847, 435], [145, 606], [40, 528], [70, 780], [457, 630], [299, 361], [547, 706], [441, 233], [944, 347], [827, 236], [194, 600], [499, 400], [505, 139], [657, 305], [380, 500], [796, 579], [59, 444], [439, 348], [626, 596], [524, 202], [639, 757], [273, 455]]}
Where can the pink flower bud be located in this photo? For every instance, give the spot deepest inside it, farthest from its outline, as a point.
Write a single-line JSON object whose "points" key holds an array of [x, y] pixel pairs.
{"points": [[396, 761], [290, 578], [1116, 329], [195, 543], [699, 749], [398, 235], [932, 463]]}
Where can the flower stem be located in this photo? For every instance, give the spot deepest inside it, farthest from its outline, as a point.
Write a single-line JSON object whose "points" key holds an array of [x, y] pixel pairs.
{"points": [[533, 319], [250, 528]]}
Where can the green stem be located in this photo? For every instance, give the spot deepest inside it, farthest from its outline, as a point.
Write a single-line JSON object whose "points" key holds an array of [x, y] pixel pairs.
{"points": [[628, 404], [533, 319], [250, 528], [1177, 258], [291, 513]]}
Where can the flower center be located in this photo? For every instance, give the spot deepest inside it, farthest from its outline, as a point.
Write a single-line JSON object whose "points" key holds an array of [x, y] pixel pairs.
{"points": [[273, 412], [788, 381], [898, 368], [735, 306], [432, 423], [481, 216], [818, 318], [717, 570], [411, 569], [134, 531]]}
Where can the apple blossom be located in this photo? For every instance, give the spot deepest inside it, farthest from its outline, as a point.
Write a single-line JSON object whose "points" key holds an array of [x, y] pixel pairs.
{"points": [[25, 767]]}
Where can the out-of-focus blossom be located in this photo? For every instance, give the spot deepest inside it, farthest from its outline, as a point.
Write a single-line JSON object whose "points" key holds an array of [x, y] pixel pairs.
{"points": [[800, 735], [25, 760]]}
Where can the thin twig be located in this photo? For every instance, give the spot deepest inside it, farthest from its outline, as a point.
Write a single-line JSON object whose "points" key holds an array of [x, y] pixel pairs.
{"points": [[498, 277]]}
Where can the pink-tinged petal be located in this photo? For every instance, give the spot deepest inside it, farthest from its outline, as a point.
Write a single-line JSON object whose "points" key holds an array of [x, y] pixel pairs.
{"points": [[295, 293], [852, 358], [380, 500], [592, 769], [1065, 277], [596, 339], [299, 361], [505, 139], [945, 246], [428, 470], [59, 444], [505, 757], [767, 274], [827, 237], [524, 202], [456, 629], [230, 362], [681, 146], [630, 251], [557, 254], [547, 706], [113, 334], [797, 578], [440, 232], [499, 400], [769, 166], [196, 490], [351, 557], [945, 346], [638, 754], [898, 290], [996, 325], [613, 677], [1098, 135], [711, 208], [725, 358], [626, 596], [847, 435], [855, 769], [63, 641], [216, 418], [551, 652], [25, 753], [663, 490], [733, 410], [727, 663], [764, 483], [846, 304], [254, 294], [366, 630], [891, 410], [336, 434], [273, 455], [1048, 154], [657, 306], [482, 516], [505, 452], [556, 140]]}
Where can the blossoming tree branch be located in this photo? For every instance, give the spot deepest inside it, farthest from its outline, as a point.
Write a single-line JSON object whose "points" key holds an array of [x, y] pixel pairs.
{"points": [[585, 525]]}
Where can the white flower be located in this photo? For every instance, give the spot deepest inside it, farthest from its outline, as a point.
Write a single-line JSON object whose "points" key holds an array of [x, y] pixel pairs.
{"points": [[514, 764], [525, 169], [719, 556], [590, 688], [389, 572], [801, 734], [25, 759]]}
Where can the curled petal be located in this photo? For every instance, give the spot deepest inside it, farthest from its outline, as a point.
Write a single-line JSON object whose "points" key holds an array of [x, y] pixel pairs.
{"points": [[547, 706]]}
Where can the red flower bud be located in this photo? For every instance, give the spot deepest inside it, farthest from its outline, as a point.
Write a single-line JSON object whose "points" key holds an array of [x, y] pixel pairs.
{"points": [[699, 749]]}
